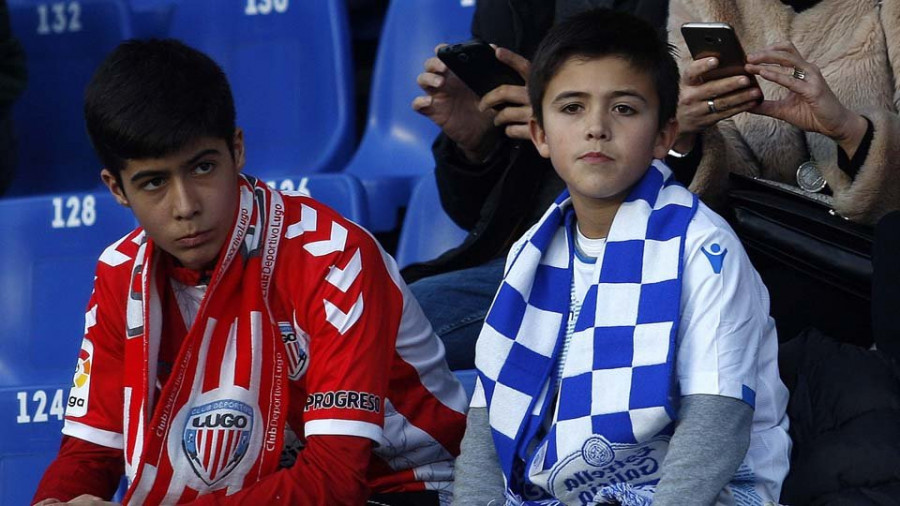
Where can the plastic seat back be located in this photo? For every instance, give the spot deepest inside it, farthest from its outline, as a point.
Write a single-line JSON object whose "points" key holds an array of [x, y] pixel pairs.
{"points": [[64, 43], [290, 69], [151, 18], [50, 249], [342, 192], [396, 146], [427, 230]]}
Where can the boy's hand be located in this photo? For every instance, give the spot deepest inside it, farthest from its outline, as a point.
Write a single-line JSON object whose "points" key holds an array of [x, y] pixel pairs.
{"points": [[48, 501], [451, 105], [87, 499], [730, 96], [516, 112]]}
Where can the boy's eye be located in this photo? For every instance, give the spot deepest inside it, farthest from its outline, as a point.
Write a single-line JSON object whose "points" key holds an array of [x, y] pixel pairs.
{"points": [[571, 108], [624, 109], [204, 168], [153, 184]]}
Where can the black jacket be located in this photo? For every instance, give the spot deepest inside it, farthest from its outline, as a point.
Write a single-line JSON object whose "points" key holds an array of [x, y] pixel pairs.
{"points": [[844, 413]]}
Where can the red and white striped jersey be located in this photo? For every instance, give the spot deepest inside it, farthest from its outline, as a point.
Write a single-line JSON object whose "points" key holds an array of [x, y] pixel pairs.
{"points": [[359, 358]]}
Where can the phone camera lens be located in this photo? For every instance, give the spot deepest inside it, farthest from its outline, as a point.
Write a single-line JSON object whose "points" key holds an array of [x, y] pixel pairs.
{"points": [[463, 57]]}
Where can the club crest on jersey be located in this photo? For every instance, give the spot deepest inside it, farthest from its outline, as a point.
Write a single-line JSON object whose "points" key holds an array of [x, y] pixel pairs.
{"points": [[216, 438], [296, 346]]}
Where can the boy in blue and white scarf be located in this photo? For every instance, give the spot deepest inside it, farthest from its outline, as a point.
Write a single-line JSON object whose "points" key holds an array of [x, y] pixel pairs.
{"points": [[628, 357]]}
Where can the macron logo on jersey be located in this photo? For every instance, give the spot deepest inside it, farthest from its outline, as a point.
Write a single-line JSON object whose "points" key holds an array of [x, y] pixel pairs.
{"points": [[716, 257]]}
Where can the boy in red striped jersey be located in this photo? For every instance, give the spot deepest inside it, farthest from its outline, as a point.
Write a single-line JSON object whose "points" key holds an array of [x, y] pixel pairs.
{"points": [[242, 345]]}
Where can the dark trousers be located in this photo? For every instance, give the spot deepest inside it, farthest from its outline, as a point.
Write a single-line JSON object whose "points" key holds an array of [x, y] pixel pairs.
{"points": [[886, 285]]}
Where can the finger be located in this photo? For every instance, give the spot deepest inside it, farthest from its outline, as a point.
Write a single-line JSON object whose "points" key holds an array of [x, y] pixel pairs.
{"points": [[518, 131], [422, 104], [519, 63], [692, 74], [435, 65], [505, 94], [755, 69], [727, 113], [428, 81], [787, 80], [509, 115], [737, 98], [439, 46], [721, 87]]}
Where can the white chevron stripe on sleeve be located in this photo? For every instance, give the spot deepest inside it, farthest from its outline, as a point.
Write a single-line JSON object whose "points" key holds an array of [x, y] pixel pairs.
{"points": [[336, 242], [307, 223], [340, 320], [112, 256], [343, 278]]}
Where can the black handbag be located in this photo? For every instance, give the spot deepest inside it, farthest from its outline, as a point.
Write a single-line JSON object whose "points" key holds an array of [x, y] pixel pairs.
{"points": [[816, 264]]}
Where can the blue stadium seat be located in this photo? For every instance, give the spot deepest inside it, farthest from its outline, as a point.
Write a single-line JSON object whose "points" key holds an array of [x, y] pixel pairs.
{"points": [[396, 146], [290, 69], [151, 18], [64, 43], [50, 249], [427, 230], [342, 192]]}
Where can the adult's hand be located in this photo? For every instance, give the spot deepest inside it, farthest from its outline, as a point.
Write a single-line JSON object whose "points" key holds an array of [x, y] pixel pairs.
{"points": [[451, 105], [702, 103], [516, 110], [810, 104]]}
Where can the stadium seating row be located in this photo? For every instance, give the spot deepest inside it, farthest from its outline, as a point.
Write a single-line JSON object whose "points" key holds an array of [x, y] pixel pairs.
{"points": [[291, 73], [290, 69]]}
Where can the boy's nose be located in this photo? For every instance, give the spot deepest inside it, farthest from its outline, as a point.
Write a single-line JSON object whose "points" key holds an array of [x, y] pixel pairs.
{"points": [[598, 127], [186, 202]]}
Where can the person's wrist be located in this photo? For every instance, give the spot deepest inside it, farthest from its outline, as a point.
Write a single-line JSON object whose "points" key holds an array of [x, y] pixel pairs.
{"points": [[684, 144], [479, 152], [852, 133]]}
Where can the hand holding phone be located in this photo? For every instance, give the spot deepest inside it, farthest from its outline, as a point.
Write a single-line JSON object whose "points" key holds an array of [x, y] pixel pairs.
{"points": [[476, 64], [715, 85], [485, 70], [717, 40]]}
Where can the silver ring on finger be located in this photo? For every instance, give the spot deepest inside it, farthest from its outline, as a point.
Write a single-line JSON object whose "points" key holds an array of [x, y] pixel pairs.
{"points": [[711, 104], [798, 73]]}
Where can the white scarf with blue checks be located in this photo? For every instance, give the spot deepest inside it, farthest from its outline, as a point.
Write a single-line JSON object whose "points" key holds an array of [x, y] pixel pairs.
{"points": [[613, 415]]}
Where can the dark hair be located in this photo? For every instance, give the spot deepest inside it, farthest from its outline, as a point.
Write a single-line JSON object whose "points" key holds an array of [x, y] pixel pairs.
{"points": [[603, 32], [151, 98]]}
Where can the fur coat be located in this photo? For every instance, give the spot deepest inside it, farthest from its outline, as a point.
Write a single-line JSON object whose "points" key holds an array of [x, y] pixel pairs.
{"points": [[856, 44]]}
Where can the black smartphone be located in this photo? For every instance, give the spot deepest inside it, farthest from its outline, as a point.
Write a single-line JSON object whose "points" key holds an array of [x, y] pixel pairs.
{"points": [[475, 63], [718, 40]]}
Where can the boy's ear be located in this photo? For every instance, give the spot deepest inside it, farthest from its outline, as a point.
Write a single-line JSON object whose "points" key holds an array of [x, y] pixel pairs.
{"points": [[665, 139], [539, 138], [114, 187], [239, 157]]}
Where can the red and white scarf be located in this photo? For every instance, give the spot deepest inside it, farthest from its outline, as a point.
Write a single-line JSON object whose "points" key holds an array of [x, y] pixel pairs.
{"points": [[219, 420]]}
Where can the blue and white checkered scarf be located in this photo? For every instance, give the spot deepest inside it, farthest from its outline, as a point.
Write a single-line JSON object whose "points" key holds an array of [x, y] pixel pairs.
{"points": [[613, 416]]}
